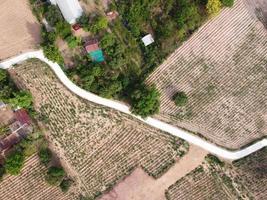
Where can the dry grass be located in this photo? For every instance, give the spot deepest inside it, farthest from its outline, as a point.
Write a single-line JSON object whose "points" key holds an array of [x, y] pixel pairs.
{"points": [[19, 29], [223, 69], [30, 184], [102, 145]]}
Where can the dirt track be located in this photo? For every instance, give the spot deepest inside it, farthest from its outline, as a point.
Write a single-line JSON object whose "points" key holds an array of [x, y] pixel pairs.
{"points": [[19, 30]]}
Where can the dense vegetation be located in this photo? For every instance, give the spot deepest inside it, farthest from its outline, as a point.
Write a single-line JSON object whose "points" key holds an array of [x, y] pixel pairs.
{"points": [[127, 61], [14, 162], [10, 94]]}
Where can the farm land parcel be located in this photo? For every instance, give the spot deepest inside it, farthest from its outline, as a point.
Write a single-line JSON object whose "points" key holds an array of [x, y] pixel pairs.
{"points": [[223, 70], [101, 145], [19, 30]]}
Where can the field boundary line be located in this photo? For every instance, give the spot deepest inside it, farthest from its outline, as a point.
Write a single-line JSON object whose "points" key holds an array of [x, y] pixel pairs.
{"points": [[196, 140]]}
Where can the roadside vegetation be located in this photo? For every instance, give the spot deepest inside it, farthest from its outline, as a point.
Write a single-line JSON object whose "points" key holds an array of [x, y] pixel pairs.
{"points": [[127, 61]]}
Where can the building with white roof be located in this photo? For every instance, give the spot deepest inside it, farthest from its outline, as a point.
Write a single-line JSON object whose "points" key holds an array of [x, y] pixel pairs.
{"points": [[70, 9], [147, 40]]}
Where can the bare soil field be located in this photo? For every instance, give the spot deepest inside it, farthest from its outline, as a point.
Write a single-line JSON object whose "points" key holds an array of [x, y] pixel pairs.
{"points": [[140, 186], [101, 145], [30, 184], [19, 30], [223, 70], [244, 179]]}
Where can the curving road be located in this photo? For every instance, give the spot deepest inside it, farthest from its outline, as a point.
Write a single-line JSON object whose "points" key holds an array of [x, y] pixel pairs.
{"points": [[212, 148]]}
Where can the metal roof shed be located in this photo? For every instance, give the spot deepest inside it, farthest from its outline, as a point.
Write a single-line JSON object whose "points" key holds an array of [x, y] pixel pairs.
{"points": [[70, 9], [147, 40]]}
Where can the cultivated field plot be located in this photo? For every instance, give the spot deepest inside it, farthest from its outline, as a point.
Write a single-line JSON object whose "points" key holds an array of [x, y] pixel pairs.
{"points": [[30, 184], [223, 70], [208, 181], [19, 30], [244, 179], [102, 145], [252, 172]]}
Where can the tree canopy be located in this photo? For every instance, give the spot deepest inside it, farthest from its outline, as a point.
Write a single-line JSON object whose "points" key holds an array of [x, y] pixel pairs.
{"points": [[180, 99], [14, 162], [145, 101], [45, 155]]}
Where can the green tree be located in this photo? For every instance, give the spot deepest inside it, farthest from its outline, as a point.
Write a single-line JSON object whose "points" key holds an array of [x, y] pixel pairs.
{"points": [[14, 162], [22, 99], [63, 29], [228, 3], [145, 101], [45, 155], [180, 99], [213, 7], [55, 175], [65, 185], [53, 15]]}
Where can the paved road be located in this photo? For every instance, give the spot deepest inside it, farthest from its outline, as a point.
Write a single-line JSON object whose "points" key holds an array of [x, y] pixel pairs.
{"points": [[212, 148]]}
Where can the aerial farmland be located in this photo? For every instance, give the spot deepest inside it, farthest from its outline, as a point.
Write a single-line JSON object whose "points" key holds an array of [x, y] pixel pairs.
{"points": [[102, 146], [222, 69]]}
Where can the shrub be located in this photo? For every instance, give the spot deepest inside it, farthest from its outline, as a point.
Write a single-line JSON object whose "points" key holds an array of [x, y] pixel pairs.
{"points": [[14, 162], [45, 155], [55, 175], [65, 185], [228, 3], [145, 101], [213, 7], [180, 99]]}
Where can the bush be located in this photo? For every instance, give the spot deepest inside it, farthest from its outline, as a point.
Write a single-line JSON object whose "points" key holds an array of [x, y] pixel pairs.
{"points": [[63, 29], [228, 3], [14, 162], [65, 185], [145, 101], [55, 175], [45, 155], [213, 7], [180, 99]]}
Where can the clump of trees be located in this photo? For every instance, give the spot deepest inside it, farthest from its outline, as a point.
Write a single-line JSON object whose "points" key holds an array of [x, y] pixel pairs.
{"points": [[145, 101], [180, 99]]}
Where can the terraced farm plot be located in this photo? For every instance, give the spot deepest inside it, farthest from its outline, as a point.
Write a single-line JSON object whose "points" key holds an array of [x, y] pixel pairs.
{"points": [[208, 181], [30, 184], [252, 172], [100, 144], [223, 70]]}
